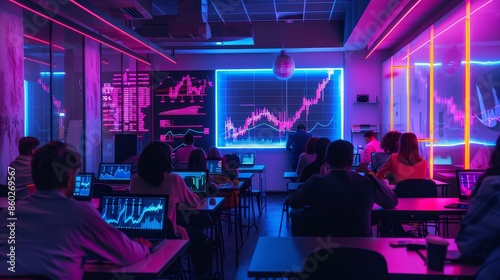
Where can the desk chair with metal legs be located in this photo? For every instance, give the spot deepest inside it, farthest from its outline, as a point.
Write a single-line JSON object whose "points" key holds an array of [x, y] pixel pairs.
{"points": [[291, 187]]}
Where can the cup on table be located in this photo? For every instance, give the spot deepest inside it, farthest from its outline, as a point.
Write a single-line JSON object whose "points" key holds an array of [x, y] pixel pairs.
{"points": [[436, 252]]}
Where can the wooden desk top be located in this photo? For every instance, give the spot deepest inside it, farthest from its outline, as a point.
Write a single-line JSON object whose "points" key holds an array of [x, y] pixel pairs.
{"points": [[152, 266], [279, 256]]}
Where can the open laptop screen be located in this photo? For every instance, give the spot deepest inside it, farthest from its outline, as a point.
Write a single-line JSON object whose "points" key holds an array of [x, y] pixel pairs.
{"points": [[214, 166], [84, 184], [196, 181], [137, 215], [466, 180], [356, 159], [115, 173], [246, 159]]}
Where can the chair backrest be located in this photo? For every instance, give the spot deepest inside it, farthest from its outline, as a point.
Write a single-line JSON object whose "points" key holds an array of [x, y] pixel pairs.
{"points": [[416, 188], [346, 264], [101, 189], [334, 224]]}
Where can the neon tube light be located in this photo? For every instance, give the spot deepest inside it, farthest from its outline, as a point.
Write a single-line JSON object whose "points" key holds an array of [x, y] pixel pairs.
{"points": [[391, 102], [408, 109], [79, 32], [431, 104], [392, 29], [26, 108], [39, 61], [123, 32], [467, 87], [446, 29], [43, 42]]}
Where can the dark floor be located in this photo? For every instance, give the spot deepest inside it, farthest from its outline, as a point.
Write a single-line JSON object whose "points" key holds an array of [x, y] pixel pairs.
{"points": [[268, 225]]}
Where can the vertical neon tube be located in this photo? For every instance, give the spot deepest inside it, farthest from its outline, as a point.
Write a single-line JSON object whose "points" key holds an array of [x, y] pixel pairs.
{"points": [[431, 104], [341, 102], [26, 108], [408, 88], [467, 87], [391, 99]]}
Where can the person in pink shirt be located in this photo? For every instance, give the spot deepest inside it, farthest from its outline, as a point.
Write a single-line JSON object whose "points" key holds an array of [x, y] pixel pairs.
{"points": [[372, 146], [407, 163]]}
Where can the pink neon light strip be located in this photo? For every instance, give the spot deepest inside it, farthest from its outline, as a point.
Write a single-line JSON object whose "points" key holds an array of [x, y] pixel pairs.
{"points": [[78, 31], [38, 61], [43, 42], [446, 29], [123, 32], [392, 29]]}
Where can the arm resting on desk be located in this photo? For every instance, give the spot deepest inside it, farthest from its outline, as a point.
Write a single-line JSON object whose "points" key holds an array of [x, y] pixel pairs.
{"points": [[384, 196], [480, 228]]}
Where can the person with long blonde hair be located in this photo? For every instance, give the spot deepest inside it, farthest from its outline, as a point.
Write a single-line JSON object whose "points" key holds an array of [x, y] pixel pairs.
{"points": [[407, 162]]}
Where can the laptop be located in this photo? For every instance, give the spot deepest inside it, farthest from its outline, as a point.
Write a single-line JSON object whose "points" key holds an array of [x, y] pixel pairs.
{"points": [[246, 159], [137, 215], [115, 173], [214, 166], [466, 181], [196, 181], [84, 185], [443, 159], [356, 160]]}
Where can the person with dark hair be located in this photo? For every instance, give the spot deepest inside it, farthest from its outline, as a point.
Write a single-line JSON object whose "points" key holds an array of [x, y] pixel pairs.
{"points": [[315, 167], [341, 190], [407, 163], [230, 164], [198, 161], [308, 156], [214, 153], [154, 177], [182, 153], [296, 143], [54, 232], [479, 229], [22, 164], [389, 145], [372, 146]]}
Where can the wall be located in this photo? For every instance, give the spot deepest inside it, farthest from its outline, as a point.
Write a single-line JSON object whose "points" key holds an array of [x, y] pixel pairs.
{"points": [[11, 80], [361, 76]]}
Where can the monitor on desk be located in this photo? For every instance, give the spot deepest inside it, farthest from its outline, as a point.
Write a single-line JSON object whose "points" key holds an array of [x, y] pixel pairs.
{"points": [[115, 173], [214, 166], [84, 185], [466, 181], [246, 159], [196, 181]]}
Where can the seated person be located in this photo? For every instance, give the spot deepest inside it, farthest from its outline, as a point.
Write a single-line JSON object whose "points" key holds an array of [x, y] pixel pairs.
{"points": [[317, 164], [372, 146], [482, 158], [308, 156], [230, 164], [54, 232], [407, 163], [341, 190], [214, 153], [479, 229], [154, 177], [182, 153], [389, 144], [22, 165], [198, 161]]}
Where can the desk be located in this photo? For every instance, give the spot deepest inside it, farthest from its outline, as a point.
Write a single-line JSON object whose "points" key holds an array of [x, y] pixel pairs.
{"points": [[282, 256], [214, 211], [291, 175], [409, 210], [443, 185], [260, 169], [153, 266]]}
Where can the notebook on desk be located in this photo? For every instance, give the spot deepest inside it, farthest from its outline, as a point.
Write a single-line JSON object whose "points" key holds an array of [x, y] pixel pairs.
{"points": [[246, 159], [196, 181], [84, 186], [115, 174], [138, 216]]}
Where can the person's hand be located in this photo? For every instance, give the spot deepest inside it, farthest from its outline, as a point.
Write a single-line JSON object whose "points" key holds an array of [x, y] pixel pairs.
{"points": [[144, 242]]}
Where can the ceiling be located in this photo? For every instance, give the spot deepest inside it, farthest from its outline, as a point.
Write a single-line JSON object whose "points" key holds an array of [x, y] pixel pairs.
{"points": [[201, 26]]}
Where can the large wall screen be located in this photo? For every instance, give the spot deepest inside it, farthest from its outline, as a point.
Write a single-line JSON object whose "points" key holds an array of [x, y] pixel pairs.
{"points": [[256, 110]]}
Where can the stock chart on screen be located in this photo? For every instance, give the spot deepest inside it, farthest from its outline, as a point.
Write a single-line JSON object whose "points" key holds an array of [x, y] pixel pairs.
{"points": [[256, 110], [132, 212]]}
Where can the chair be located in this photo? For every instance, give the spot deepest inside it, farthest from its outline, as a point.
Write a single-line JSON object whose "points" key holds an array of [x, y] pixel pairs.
{"points": [[291, 187], [101, 189], [346, 264], [334, 224], [419, 188]]}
